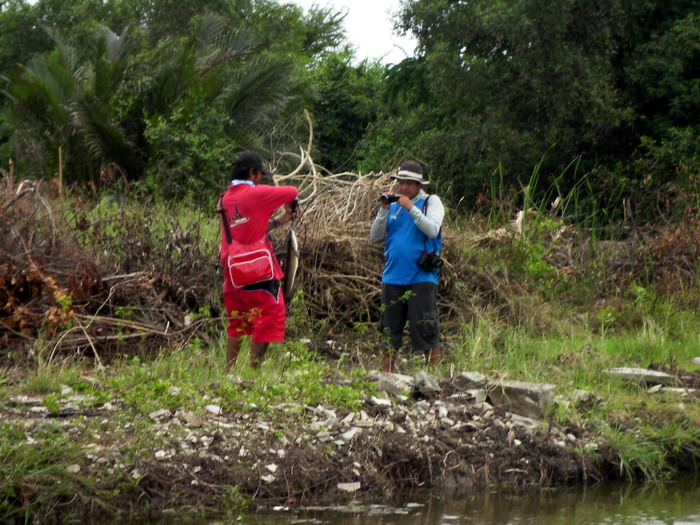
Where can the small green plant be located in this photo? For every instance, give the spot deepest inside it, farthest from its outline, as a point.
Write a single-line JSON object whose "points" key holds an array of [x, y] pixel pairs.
{"points": [[64, 301], [234, 501], [607, 317], [644, 298], [50, 401], [125, 312]]}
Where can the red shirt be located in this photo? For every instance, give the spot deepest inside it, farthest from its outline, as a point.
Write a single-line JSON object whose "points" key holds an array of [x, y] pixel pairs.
{"points": [[248, 211]]}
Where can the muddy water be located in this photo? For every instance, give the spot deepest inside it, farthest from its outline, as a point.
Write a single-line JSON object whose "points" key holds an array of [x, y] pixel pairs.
{"points": [[666, 504]]}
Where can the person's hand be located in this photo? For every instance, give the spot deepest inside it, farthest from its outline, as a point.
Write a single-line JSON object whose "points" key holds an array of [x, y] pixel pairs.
{"points": [[286, 217], [292, 206], [386, 205], [405, 202]]}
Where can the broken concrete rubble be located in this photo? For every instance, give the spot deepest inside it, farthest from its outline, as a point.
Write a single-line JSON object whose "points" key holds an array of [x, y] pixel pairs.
{"points": [[642, 375], [521, 397], [424, 430]]}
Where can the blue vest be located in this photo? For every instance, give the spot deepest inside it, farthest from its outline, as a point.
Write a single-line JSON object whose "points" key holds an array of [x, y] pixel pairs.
{"points": [[404, 245]]}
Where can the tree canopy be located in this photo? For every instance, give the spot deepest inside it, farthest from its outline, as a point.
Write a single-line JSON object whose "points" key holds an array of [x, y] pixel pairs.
{"points": [[501, 87], [497, 92]]}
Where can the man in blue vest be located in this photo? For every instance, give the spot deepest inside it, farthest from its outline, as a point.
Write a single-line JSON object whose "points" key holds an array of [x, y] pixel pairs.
{"points": [[411, 227]]}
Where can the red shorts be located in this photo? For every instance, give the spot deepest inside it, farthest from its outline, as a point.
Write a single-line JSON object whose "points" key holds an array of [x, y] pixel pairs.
{"points": [[258, 311]]}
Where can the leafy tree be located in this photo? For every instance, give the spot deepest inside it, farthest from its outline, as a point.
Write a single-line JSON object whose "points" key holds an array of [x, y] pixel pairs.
{"points": [[498, 86], [172, 113], [58, 102], [663, 77], [206, 96], [180, 103], [346, 101]]}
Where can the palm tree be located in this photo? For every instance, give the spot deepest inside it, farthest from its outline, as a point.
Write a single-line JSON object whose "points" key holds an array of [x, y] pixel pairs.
{"points": [[168, 110], [216, 84], [58, 103]]}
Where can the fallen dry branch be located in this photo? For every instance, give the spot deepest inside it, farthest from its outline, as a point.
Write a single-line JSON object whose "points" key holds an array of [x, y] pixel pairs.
{"points": [[101, 283], [55, 291], [341, 267]]}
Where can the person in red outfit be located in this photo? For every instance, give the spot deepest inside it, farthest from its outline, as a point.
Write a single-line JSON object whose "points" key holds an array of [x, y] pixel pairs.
{"points": [[257, 309]]}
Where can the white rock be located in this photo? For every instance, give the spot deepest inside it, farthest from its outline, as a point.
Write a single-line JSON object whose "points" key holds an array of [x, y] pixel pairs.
{"points": [[73, 469], [26, 400], [213, 409], [323, 412], [268, 479], [160, 414], [347, 436], [380, 402], [643, 375], [683, 392], [160, 454], [470, 380], [347, 419], [395, 384], [271, 467], [191, 419], [425, 382], [349, 487]]}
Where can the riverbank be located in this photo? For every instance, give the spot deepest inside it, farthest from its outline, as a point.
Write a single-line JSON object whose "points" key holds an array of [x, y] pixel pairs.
{"points": [[113, 396], [174, 433]]}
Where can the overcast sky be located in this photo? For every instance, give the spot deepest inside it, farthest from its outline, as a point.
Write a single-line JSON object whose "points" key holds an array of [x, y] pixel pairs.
{"points": [[369, 28]]}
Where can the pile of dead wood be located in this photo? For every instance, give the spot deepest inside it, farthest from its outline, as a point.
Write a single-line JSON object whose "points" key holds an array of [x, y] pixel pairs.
{"points": [[72, 279], [341, 267], [63, 284]]}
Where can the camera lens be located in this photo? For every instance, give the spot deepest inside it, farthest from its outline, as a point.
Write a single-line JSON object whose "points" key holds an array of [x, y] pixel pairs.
{"points": [[388, 199]]}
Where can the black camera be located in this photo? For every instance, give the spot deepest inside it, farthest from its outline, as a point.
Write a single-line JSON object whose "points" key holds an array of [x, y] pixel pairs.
{"points": [[430, 261], [388, 199]]}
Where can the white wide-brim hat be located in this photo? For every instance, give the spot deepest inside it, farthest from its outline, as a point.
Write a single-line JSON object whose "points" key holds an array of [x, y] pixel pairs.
{"points": [[410, 175]]}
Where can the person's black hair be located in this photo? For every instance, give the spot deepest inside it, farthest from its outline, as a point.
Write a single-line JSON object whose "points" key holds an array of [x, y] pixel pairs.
{"points": [[244, 163]]}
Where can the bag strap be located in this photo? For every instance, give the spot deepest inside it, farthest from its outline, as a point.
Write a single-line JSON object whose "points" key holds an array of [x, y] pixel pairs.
{"points": [[224, 220], [424, 208]]}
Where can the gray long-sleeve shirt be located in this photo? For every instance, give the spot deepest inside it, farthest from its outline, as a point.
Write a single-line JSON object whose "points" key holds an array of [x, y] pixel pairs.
{"points": [[428, 223]]}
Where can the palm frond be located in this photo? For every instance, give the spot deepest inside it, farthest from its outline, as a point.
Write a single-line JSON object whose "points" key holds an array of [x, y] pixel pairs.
{"points": [[217, 44], [104, 139], [256, 89]]}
